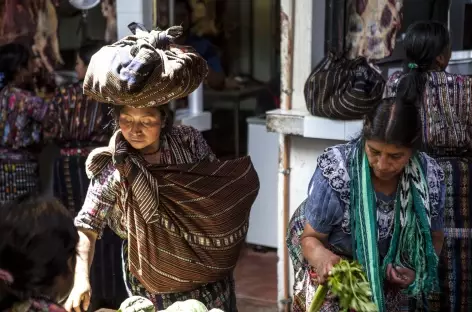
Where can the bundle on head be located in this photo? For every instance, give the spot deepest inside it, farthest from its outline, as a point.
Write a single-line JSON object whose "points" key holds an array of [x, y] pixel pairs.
{"points": [[144, 70]]}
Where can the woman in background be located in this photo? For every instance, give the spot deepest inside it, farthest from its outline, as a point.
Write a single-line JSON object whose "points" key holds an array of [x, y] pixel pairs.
{"points": [[24, 119], [37, 255], [85, 125], [445, 102]]}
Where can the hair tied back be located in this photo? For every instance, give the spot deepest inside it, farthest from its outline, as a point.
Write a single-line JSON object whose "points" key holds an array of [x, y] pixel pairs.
{"points": [[412, 65]]}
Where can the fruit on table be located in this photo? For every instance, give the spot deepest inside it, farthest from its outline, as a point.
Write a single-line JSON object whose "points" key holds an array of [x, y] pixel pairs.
{"points": [[141, 304], [137, 304]]}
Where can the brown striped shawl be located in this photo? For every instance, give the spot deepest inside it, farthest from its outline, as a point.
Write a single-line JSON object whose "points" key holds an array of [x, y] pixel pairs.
{"points": [[186, 223]]}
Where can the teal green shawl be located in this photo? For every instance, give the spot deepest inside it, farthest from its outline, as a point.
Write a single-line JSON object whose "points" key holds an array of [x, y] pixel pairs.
{"points": [[411, 245]]}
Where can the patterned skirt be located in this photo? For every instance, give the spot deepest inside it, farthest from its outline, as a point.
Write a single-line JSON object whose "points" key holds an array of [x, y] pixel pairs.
{"points": [[70, 186], [305, 279], [219, 295], [455, 273], [19, 175]]}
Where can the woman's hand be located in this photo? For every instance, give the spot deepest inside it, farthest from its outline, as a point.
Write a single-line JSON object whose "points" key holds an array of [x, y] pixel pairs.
{"points": [[79, 298], [400, 277], [324, 262], [318, 256]]}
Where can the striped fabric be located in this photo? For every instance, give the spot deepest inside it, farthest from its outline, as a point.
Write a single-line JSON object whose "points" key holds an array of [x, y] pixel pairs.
{"points": [[454, 267], [343, 89], [192, 219], [144, 70], [447, 136], [445, 113]]}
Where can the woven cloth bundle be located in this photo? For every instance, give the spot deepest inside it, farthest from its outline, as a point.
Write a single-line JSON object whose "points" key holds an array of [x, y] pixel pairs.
{"points": [[144, 70]]}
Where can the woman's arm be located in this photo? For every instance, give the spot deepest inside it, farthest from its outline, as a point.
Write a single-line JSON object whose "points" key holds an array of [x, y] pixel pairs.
{"points": [[91, 220], [85, 252], [315, 252], [323, 211]]}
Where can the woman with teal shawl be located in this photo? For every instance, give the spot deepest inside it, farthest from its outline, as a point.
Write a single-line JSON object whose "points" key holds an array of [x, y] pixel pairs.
{"points": [[377, 200]]}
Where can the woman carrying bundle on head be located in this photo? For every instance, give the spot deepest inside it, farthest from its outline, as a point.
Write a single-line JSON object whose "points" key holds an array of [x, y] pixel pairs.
{"points": [[377, 200], [182, 214], [445, 102]]}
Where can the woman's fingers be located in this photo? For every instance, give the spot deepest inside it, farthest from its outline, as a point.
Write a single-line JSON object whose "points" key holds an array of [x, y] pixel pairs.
{"points": [[76, 304], [86, 301]]}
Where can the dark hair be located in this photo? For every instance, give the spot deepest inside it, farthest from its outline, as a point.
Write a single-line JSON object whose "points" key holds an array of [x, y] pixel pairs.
{"points": [[393, 122], [13, 58], [89, 49], [166, 114], [38, 237], [423, 43]]}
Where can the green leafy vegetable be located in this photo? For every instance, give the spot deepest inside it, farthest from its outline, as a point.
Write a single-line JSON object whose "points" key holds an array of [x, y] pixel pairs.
{"points": [[349, 283]]}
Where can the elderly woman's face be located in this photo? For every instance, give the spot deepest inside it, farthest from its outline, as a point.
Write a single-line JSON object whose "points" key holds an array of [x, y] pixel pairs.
{"points": [[141, 127], [386, 160]]}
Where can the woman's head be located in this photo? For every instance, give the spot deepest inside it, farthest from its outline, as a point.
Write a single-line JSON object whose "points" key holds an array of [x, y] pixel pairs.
{"points": [[391, 133], [427, 45], [16, 64], [84, 55], [143, 127], [37, 249]]}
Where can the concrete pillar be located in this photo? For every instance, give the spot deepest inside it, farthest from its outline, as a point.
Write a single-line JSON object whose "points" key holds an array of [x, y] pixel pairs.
{"points": [[308, 50]]}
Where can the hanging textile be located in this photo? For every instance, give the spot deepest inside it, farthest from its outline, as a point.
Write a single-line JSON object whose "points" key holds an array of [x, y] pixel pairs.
{"points": [[32, 22], [372, 27]]}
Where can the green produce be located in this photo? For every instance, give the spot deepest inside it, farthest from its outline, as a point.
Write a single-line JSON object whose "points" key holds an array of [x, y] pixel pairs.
{"points": [[349, 283], [137, 304]]}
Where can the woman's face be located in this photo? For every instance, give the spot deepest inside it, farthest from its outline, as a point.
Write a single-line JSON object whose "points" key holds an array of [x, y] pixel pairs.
{"points": [[141, 127], [80, 68], [387, 160]]}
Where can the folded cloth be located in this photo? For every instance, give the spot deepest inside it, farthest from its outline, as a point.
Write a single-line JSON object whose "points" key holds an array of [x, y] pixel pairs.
{"points": [[144, 70]]}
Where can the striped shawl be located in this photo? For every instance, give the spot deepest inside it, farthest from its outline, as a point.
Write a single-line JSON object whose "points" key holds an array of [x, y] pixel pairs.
{"points": [[186, 223]]}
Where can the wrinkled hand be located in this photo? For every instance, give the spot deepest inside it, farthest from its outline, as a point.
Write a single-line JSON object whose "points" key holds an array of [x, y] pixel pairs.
{"points": [[399, 276], [325, 260], [79, 298]]}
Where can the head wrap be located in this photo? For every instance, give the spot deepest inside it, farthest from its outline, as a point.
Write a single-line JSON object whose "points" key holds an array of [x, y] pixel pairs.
{"points": [[144, 69]]}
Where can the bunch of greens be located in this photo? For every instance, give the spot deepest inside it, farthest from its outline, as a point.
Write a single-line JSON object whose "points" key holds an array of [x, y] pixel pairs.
{"points": [[349, 284]]}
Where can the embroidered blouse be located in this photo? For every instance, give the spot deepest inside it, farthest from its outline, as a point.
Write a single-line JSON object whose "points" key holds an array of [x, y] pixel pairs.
{"points": [[326, 208], [24, 118], [446, 112], [181, 145], [83, 121]]}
